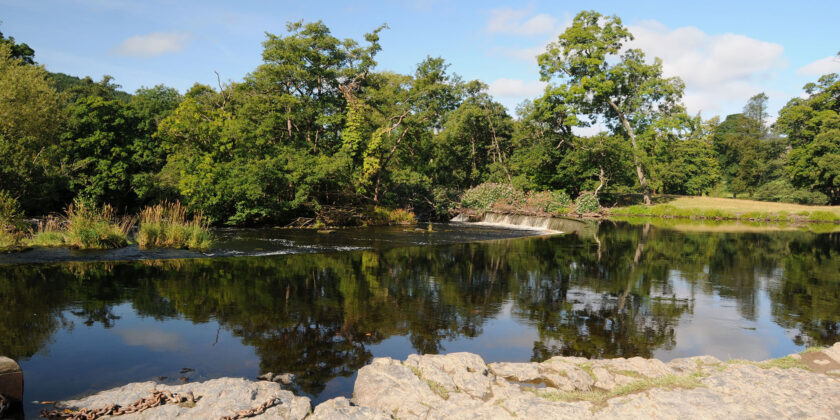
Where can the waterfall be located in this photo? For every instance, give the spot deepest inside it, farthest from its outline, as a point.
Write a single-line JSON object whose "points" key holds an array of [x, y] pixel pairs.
{"points": [[518, 221]]}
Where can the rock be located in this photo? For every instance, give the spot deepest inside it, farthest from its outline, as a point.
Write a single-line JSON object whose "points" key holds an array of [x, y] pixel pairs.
{"points": [[11, 379], [215, 399], [455, 372], [266, 376], [833, 352], [341, 409], [698, 387], [392, 387], [284, 378]]}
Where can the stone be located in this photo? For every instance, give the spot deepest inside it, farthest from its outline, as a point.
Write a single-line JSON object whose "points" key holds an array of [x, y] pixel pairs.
{"points": [[214, 399], [833, 352], [389, 386], [284, 378], [11, 379], [341, 409], [461, 385]]}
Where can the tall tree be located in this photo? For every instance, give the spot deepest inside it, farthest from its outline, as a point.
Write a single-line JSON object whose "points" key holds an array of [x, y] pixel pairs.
{"points": [[607, 83], [812, 126], [31, 119]]}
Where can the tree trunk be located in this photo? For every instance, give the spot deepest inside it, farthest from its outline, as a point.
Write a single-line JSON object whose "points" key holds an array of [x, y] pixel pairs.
{"points": [[639, 172]]}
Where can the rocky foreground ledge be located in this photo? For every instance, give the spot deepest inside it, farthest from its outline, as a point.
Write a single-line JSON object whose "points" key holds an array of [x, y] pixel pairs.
{"points": [[461, 385]]}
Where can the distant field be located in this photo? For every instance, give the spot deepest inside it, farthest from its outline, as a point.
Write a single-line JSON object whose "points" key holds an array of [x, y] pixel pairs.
{"points": [[743, 206]]}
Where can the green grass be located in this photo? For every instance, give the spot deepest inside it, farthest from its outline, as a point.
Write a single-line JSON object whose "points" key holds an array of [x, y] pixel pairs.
{"points": [[167, 226], [84, 226], [786, 362], [716, 208], [599, 398], [384, 216]]}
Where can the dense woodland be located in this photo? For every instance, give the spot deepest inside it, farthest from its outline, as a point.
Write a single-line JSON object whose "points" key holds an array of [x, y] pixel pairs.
{"points": [[317, 126]]}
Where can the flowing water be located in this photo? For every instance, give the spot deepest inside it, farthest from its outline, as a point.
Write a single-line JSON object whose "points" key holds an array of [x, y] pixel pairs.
{"points": [[323, 305]]}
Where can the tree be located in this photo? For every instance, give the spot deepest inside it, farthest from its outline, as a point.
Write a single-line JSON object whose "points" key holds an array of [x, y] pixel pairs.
{"points": [[812, 126], [22, 51], [604, 83], [756, 111], [31, 118]]}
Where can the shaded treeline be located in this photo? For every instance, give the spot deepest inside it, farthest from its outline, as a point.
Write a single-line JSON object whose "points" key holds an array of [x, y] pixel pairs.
{"points": [[317, 125]]}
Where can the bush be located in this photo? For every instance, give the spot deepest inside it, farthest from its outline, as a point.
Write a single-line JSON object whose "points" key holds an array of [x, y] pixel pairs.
{"points": [[485, 196], [552, 202], [167, 226], [587, 203], [11, 223], [782, 191], [383, 216]]}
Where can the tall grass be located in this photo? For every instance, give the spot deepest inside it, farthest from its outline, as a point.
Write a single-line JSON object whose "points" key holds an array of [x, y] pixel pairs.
{"points": [[384, 216], [166, 225], [84, 226]]}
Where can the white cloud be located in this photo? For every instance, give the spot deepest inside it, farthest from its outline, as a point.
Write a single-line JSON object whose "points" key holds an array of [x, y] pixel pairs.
{"points": [[720, 71], [153, 44], [514, 88], [516, 22], [820, 67]]}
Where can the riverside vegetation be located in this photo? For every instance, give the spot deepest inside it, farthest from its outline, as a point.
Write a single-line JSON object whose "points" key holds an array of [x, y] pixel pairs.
{"points": [[85, 226], [317, 130]]}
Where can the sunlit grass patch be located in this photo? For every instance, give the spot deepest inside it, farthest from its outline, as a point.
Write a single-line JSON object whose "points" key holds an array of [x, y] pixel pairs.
{"points": [[84, 226], [384, 216], [786, 362], [166, 225]]}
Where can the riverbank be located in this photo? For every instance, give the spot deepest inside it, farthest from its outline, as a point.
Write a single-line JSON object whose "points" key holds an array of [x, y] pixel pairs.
{"points": [[716, 208], [462, 385]]}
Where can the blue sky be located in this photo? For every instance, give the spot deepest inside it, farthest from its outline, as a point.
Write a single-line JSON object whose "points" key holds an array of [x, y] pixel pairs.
{"points": [[725, 51]]}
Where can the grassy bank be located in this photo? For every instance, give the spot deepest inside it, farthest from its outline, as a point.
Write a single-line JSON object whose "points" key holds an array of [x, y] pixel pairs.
{"points": [[715, 208]]}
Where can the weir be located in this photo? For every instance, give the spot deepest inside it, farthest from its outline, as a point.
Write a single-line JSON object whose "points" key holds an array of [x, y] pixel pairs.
{"points": [[520, 221]]}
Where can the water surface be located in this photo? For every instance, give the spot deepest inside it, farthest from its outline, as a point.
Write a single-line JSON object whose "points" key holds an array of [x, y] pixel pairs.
{"points": [[323, 305]]}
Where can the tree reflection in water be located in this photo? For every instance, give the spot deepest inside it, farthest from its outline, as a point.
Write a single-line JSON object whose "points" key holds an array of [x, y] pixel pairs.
{"points": [[606, 295]]}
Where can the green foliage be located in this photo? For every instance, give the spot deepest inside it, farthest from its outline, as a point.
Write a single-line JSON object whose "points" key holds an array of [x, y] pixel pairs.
{"points": [[823, 216], [587, 203], [781, 190], [166, 225], [485, 196], [382, 216], [812, 126], [85, 226], [11, 223]]}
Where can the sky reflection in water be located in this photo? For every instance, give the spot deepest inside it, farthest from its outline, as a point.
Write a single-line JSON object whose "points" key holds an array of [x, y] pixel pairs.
{"points": [[79, 327]]}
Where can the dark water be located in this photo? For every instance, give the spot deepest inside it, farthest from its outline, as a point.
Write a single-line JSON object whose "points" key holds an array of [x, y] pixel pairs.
{"points": [[79, 327]]}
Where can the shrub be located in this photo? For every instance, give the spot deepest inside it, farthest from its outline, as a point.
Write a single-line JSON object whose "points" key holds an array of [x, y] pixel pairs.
{"points": [[552, 202], [587, 203], [781, 190], [383, 216], [483, 197], [167, 226], [11, 223]]}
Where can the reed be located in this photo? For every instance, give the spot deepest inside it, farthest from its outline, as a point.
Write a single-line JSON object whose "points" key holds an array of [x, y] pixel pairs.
{"points": [[167, 225]]}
